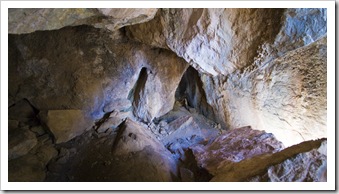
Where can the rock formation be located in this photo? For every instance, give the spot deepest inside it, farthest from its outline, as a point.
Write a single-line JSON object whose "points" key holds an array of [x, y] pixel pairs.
{"points": [[167, 94]]}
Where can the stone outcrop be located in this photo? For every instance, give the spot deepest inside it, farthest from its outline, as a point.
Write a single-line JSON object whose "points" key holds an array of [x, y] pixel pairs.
{"points": [[302, 162], [215, 41], [30, 20], [286, 97], [90, 70], [234, 146]]}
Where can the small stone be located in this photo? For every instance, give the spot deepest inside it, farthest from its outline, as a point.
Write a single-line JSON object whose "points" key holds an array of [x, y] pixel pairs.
{"points": [[39, 130], [20, 142]]}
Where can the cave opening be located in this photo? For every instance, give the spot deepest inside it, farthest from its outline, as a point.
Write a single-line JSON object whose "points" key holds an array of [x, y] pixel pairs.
{"points": [[190, 92]]}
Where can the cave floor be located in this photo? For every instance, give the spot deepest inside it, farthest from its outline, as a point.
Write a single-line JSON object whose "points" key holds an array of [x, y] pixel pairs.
{"points": [[90, 157]]}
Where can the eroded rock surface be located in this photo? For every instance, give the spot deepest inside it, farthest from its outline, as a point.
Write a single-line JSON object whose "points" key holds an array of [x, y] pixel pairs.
{"points": [[234, 146], [304, 169], [287, 97], [215, 41]]}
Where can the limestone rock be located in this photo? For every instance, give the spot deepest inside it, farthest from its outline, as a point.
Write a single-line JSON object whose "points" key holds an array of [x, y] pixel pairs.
{"points": [[65, 124], [234, 146], [29, 20], [302, 160], [88, 70], [20, 142], [119, 105], [287, 97], [26, 169], [309, 166], [215, 41]]}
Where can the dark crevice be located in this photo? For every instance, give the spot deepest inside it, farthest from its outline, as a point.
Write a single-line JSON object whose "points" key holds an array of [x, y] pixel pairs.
{"points": [[191, 90]]}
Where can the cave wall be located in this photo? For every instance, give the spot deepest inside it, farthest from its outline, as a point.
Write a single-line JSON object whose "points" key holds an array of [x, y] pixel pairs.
{"points": [[259, 67], [91, 70], [252, 70]]}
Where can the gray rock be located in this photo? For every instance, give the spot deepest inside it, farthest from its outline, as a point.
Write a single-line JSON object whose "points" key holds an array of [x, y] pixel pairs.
{"points": [[287, 97], [66, 124], [119, 105], [110, 123]]}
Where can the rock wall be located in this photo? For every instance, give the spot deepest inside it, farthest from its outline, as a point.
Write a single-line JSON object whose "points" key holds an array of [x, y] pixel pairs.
{"points": [[23, 21], [214, 41], [92, 70], [286, 97]]}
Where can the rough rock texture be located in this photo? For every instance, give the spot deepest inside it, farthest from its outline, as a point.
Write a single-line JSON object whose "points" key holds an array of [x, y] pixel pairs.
{"points": [[133, 154], [308, 160], [304, 167], [26, 169], [21, 111], [215, 41], [21, 141], [65, 124], [286, 97], [30, 20], [91, 69], [31, 167], [191, 93], [234, 146]]}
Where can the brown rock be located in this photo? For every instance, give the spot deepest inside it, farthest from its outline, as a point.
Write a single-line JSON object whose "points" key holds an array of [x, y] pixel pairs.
{"points": [[21, 111], [66, 124], [28, 168], [20, 142]]}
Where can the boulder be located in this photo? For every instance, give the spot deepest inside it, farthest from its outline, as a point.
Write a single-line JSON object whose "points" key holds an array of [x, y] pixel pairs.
{"points": [[302, 162], [151, 161], [66, 124], [234, 146]]}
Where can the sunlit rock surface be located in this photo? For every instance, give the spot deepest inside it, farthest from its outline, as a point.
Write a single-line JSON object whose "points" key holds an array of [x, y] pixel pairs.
{"points": [[302, 162], [234, 146], [286, 97], [215, 41]]}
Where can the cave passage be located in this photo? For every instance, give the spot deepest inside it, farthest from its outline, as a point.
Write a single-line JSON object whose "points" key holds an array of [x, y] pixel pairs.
{"points": [[191, 90]]}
